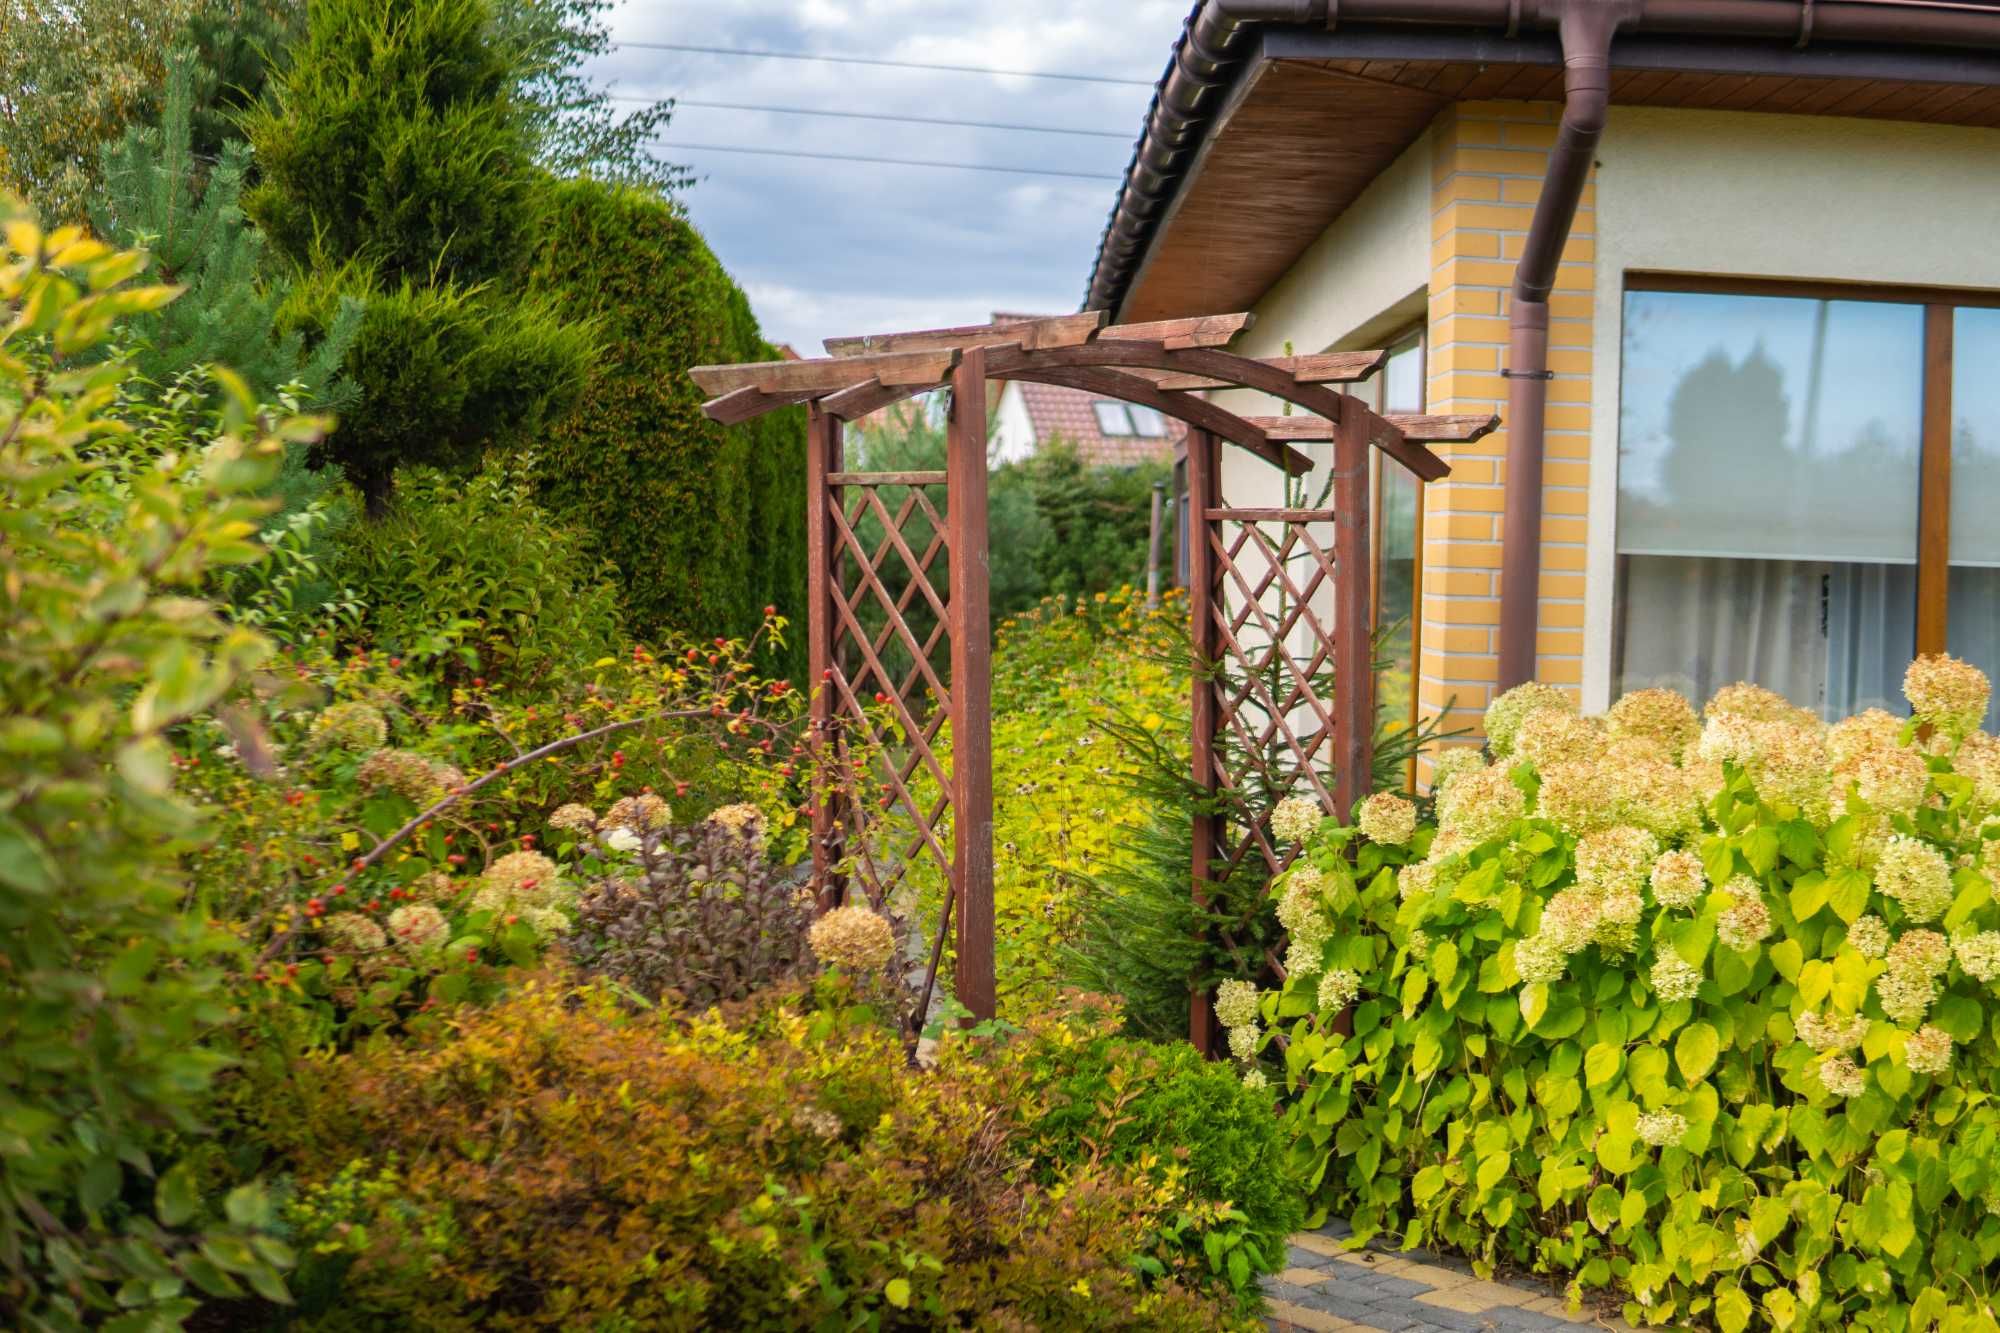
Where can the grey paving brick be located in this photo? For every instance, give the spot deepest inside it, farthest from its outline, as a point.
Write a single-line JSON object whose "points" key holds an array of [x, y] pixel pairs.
{"points": [[1348, 1305], [1298, 1256], [1529, 1321], [1387, 1287]]}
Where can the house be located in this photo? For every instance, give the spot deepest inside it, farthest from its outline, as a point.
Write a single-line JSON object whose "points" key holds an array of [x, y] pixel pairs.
{"points": [[1104, 431], [1725, 268]]}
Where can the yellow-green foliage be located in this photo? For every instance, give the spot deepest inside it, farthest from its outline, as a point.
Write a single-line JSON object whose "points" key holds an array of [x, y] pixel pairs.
{"points": [[560, 1162], [707, 523], [1062, 810], [1699, 1012]]}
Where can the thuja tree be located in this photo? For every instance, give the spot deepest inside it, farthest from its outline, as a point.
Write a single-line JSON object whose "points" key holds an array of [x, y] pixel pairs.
{"points": [[107, 989], [396, 170]]}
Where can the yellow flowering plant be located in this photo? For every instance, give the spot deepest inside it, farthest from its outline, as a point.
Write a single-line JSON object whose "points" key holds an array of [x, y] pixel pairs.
{"points": [[1693, 1011]]}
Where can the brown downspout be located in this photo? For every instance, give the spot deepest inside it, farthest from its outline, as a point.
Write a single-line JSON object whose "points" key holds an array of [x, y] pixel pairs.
{"points": [[1586, 27]]}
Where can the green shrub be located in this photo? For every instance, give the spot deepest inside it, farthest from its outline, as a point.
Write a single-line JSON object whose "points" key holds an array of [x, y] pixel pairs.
{"points": [[1698, 1012], [472, 575], [558, 1162], [394, 171], [108, 997], [706, 524]]}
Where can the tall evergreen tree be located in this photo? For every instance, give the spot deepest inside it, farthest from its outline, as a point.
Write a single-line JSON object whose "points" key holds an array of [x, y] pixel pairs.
{"points": [[157, 195], [396, 170]]}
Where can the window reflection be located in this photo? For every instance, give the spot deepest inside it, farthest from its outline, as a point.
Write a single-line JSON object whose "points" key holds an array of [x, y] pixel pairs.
{"points": [[1767, 495], [1973, 609]]}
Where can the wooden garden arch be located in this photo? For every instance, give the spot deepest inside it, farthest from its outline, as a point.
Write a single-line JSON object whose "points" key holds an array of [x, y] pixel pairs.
{"points": [[1165, 366]]}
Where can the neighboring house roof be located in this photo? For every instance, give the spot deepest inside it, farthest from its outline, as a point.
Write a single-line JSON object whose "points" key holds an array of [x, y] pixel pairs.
{"points": [[1054, 410], [1274, 115]]}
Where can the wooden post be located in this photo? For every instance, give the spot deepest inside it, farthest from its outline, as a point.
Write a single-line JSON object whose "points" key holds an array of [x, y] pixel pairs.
{"points": [[823, 458], [1203, 495], [1353, 647], [971, 685]]}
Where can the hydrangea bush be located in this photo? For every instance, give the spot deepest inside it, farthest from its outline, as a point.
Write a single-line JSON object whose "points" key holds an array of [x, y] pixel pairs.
{"points": [[1695, 1010]]}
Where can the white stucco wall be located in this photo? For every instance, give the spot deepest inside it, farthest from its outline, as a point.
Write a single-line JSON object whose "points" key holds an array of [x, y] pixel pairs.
{"points": [[1747, 195]]}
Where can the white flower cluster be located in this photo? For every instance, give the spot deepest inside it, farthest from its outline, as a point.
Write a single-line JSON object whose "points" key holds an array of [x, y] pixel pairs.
{"points": [[1296, 818]]}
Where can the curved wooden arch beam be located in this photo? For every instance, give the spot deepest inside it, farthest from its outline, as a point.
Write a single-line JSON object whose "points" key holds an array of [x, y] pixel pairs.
{"points": [[1196, 412], [1240, 371]]}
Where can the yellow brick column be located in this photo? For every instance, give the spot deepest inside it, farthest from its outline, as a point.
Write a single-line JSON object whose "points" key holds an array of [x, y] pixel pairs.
{"points": [[1488, 161]]}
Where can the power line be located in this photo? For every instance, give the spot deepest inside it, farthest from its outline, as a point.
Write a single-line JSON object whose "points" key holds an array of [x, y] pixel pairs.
{"points": [[868, 115], [882, 161], [884, 64]]}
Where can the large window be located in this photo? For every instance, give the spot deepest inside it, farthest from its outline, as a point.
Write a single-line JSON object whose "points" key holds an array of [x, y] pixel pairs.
{"points": [[1790, 463], [1398, 533]]}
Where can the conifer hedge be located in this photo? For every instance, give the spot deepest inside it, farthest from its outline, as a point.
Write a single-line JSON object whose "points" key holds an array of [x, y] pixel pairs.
{"points": [[706, 524]]}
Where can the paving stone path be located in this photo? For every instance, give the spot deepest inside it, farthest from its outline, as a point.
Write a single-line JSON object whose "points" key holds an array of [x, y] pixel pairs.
{"points": [[1330, 1287]]}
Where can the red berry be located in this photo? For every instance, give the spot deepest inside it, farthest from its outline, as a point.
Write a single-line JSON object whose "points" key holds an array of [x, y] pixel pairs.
{"points": [[479, 682], [395, 661], [340, 890], [472, 955]]}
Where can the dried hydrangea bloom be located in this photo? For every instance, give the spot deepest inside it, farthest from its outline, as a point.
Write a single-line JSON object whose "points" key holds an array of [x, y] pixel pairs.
{"points": [[1662, 716], [1337, 990], [1870, 729], [411, 776], [1662, 1129], [1841, 1076], [353, 931], [1906, 995], [1979, 954], [818, 1122], [1678, 879], [1305, 879], [1948, 694], [527, 875], [1978, 758], [1416, 879], [1539, 958], [1569, 919], [1454, 761], [1756, 703], [1388, 819], [1928, 1050], [1296, 818], [1243, 1041], [1419, 944], [854, 938], [546, 922], [1578, 798], [419, 929], [1480, 806], [1892, 780], [1618, 921], [1727, 738], [1506, 713], [1830, 1035], [1653, 794], [743, 819], [1869, 937], [1255, 1080], [573, 818], [1305, 955], [1615, 858], [1705, 776], [1916, 875], [349, 726], [1551, 735], [1236, 1003], [1674, 978], [644, 813], [1921, 951], [1745, 923]]}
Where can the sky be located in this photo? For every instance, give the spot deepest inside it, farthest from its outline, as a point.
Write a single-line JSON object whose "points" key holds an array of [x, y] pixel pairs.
{"points": [[827, 248]]}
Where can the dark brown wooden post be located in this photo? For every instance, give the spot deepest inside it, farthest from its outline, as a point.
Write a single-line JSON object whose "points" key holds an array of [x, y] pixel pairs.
{"points": [[1203, 494], [1353, 648], [971, 685], [823, 458]]}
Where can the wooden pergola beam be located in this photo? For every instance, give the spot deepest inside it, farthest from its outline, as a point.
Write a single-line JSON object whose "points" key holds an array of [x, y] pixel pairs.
{"points": [[1196, 412], [828, 374], [1318, 368], [1180, 335], [1055, 331], [1418, 428]]}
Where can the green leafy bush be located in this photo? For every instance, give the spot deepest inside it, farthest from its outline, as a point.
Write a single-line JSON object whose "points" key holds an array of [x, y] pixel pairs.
{"points": [[108, 995], [706, 524], [1695, 1010], [560, 1162], [471, 575]]}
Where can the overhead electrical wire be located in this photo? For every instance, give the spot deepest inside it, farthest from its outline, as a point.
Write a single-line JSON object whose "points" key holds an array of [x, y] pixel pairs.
{"points": [[884, 64], [882, 161], [869, 115]]}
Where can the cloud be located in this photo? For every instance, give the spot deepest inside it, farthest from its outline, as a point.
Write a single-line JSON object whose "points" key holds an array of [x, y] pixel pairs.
{"points": [[819, 244]]}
